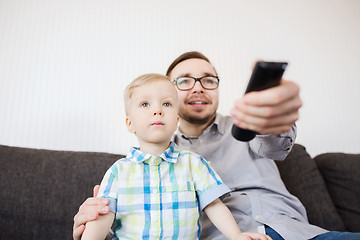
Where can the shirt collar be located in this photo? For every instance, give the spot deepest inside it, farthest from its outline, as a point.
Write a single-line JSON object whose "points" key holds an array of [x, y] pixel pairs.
{"points": [[170, 155], [219, 125]]}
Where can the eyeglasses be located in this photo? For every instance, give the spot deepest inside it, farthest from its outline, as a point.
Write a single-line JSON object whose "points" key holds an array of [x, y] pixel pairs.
{"points": [[187, 83]]}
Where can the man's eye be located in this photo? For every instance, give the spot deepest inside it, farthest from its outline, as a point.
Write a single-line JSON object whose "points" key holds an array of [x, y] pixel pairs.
{"points": [[183, 81], [145, 105], [167, 104], [209, 81]]}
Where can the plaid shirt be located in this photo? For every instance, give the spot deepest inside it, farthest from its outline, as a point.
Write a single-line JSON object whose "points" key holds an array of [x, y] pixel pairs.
{"points": [[160, 197]]}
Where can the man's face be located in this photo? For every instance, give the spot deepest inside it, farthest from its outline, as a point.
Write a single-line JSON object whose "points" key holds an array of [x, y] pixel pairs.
{"points": [[197, 105]]}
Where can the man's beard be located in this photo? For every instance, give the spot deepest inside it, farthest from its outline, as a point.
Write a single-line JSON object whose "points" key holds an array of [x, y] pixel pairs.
{"points": [[197, 120]]}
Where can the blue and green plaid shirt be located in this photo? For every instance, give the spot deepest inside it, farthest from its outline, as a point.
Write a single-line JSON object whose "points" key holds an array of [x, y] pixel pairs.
{"points": [[160, 197]]}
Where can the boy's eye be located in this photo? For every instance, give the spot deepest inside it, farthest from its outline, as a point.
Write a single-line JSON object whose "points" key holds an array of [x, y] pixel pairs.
{"points": [[145, 105], [166, 104]]}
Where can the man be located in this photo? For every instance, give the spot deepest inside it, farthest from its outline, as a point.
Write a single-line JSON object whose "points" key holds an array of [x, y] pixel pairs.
{"points": [[259, 200]]}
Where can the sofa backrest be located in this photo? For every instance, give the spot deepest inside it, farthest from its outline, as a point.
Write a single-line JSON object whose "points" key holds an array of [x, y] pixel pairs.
{"points": [[41, 190]]}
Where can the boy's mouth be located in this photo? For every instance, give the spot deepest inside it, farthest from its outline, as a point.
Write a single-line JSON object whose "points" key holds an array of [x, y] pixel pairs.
{"points": [[157, 124]]}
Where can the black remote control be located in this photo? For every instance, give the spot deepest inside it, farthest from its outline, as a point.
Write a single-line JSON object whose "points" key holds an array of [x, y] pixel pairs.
{"points": [[265, 75]]}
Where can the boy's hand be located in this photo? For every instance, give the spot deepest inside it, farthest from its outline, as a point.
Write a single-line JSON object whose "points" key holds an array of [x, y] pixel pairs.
{"points": [[252, 236], [89, 211], [271, 111]]}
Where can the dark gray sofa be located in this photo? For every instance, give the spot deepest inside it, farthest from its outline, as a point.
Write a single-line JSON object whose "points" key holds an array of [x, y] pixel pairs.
{"points": [[41, 190]]}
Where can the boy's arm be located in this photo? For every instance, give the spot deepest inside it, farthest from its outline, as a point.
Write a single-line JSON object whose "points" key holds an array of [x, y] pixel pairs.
{"points": [[223, 220], [89, 211], [221, 217], [99, 228]]}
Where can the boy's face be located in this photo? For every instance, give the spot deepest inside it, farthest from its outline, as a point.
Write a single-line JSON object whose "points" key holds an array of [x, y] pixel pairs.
{"points": [[153, 112], [197, 105]]}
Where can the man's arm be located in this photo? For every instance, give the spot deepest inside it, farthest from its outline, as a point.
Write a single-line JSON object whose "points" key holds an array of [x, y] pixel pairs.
{"points": [[272, 113], [274, 147], [99, 228], [89, 211]]}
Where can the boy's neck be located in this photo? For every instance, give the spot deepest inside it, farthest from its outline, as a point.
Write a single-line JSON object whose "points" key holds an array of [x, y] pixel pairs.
{"points": [[155, 149]]}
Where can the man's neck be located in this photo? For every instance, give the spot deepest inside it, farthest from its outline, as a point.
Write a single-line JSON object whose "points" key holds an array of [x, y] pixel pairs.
{"points": [[193, 130]]}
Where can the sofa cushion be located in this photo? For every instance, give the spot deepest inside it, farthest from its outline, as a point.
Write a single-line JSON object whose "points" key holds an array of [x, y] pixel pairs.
{"points": [[341, 173], [302, 178], [41, 190]]}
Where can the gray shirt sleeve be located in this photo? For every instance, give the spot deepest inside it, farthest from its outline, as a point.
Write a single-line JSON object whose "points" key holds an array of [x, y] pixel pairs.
{"points": [[274, 147]]}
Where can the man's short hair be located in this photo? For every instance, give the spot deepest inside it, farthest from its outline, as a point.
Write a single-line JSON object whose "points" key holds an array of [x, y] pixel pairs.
{"points": [[186, 56]]}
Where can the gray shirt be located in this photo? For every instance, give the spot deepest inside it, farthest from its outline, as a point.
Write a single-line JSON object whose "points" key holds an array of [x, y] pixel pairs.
{"points": [[258, 196]]}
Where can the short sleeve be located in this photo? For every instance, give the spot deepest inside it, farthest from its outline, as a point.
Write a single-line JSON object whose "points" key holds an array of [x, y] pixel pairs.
{"points": [[208, 184], [109, 186]]}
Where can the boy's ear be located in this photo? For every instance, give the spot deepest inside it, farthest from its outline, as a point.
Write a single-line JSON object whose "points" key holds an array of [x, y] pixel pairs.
{"points": [[129, 125]]}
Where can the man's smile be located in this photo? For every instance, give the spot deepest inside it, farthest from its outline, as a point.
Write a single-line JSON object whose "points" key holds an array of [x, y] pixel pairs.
{"points": [[197, 102]]}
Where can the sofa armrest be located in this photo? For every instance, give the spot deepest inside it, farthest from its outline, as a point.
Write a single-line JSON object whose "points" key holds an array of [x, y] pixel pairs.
{"points": [[341, 173], [302, 178]]}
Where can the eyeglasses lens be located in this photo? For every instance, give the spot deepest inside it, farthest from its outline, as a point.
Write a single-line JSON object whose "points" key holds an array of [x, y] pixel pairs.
{"points": [[207, 82]]}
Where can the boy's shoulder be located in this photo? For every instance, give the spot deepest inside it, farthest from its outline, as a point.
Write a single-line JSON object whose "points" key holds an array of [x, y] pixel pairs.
{"points": [[121, 163], [186, 154], [189, 153]]}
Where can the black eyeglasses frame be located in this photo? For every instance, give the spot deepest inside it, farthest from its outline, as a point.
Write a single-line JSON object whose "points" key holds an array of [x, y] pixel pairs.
{"points": [[197, 80]]}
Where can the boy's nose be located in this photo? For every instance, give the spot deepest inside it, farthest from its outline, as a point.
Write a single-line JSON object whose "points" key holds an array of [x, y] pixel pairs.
{"points": [[158, 111]]}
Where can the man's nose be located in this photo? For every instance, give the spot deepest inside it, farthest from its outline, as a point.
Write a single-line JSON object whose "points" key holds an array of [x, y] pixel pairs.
{"points": [[197, 87]]}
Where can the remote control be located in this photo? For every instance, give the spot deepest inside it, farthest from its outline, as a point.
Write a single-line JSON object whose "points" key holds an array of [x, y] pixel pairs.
{"points": [[265, 75]]}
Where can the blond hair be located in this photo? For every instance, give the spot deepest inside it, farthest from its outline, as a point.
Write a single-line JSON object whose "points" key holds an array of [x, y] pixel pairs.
{"points": [[139, 81]]}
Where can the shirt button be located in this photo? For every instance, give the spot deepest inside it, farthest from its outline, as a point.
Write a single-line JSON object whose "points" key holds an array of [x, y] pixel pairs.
{"points": [[213, 132], [153, 168], [201, 141], [155, 191], [257, 217]]}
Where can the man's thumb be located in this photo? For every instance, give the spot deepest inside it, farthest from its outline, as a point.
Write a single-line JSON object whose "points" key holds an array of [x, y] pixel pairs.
{"points": [[96, 190]]}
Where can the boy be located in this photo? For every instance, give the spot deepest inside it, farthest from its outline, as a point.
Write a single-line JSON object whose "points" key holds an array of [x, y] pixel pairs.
{"points": [[158, 191]]}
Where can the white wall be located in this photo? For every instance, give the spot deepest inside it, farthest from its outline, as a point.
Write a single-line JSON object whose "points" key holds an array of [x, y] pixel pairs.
{"points": [[64, 64]]}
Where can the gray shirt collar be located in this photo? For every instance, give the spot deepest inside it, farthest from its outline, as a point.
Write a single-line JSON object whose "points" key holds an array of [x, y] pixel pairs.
{"points": [[219, 125]]}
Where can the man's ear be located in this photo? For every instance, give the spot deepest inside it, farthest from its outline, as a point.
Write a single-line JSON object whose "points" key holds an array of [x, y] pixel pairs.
{"points": [[129, 125]]}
